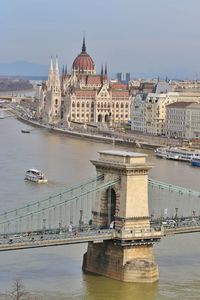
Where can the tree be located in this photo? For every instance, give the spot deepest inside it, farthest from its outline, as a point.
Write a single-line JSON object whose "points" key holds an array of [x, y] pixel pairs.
{"points": [[18, 292]]}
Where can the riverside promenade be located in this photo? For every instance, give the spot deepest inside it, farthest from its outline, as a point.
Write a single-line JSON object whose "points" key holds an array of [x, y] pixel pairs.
{"points": [[129, 138]]}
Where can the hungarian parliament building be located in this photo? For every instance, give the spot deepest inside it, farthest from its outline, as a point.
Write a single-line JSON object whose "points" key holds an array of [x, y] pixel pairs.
{"points": [[82, 96]]}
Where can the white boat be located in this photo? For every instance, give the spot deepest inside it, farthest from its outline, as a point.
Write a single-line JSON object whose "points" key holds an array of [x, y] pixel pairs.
{"points": [[176, 153], [35, 176]]}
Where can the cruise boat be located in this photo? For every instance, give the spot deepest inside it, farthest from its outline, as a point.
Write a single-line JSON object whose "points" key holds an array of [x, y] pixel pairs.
{"points": [[176, 153], [35, 176], [195, 161]]}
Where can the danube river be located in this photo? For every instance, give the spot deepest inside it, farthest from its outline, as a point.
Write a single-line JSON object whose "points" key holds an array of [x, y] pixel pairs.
{"points": [[55, 273]]}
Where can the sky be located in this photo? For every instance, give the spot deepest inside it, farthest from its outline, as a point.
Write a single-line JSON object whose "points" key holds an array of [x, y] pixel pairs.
{"points": [[138, 36]]}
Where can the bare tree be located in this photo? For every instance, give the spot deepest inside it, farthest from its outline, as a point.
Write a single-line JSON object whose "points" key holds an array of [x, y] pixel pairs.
{"points": [[18, 292]]}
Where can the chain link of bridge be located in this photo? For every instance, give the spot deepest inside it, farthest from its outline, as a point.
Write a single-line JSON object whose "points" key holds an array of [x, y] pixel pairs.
{"points": [[178, 220], [66, 218], [64, 215]]}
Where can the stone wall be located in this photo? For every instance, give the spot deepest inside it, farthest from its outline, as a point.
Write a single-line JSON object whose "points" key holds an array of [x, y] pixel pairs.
{"points": [[129, 264]]}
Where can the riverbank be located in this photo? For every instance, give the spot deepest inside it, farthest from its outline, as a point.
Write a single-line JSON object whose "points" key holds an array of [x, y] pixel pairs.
{"points": [[113, 138]]}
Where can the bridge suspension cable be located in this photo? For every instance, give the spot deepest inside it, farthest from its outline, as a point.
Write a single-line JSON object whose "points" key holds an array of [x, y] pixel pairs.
{"points": [[74, 206], [173, 188]]}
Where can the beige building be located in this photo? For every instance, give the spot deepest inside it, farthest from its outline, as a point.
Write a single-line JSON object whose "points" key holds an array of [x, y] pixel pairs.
{"points": [[83, 96], [148, 111], [183, 120]]}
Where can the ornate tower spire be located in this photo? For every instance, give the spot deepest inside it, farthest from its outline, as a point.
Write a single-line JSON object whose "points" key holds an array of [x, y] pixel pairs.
{"points": [[84, 46], [106, 72], [65, 69], [102, 70], [56, 68], [51, 64], [102, 73], [50, 77]]}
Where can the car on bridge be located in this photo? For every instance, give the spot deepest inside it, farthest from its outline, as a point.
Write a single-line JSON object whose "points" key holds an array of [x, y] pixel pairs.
{"points": [[169, 223], [187, 222]]}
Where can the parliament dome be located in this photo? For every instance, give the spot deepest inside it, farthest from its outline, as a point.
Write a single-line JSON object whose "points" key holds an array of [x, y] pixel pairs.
{"points": [[83, 63]]}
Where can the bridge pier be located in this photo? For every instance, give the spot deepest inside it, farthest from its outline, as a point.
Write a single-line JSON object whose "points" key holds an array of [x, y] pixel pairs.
{"points": [[129, 256], [128, 264]]}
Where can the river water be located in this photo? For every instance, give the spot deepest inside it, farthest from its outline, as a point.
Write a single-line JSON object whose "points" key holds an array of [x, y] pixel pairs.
{"points": [[55, 273]]}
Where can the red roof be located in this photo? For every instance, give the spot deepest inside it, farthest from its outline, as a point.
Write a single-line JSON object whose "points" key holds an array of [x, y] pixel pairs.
{"points": [[118, 85], [180, 104], [83, 62], [93, 80], [120, 93], [85, 93]]}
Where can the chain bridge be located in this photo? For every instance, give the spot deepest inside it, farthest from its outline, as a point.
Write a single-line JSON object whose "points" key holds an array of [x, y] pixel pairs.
{"points": [[114, 212]]}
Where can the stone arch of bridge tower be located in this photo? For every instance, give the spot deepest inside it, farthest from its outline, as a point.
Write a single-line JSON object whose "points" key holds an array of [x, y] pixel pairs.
{"points": [[111, 204], [109, 199]]}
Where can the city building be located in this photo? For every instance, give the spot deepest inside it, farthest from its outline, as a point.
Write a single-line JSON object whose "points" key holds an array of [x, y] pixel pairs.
{"points": [[82, 96], [123, 77], [183, 120], [148, 109]]}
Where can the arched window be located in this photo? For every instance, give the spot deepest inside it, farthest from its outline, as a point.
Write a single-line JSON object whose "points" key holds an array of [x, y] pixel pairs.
{"points": [[101, 104], [117, 105], [105, 105], [99, 118], [56, 101], [92, 104], [98, 105], [87, 104], [78, 104], [122, 105], [107, 119], [73, 104], [83, 104], [126, 105]]}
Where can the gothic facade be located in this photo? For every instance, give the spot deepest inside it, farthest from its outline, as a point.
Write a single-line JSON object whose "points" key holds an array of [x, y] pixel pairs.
{"points": [[82, 96]]}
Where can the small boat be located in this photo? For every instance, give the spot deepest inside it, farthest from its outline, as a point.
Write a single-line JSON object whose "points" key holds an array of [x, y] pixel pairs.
{"points": [[175, 153], [35, 176], [25, 131], [195, 161]]}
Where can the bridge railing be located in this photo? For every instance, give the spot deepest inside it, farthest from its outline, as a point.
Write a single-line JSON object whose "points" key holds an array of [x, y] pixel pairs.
{"points": [[145, 233]]}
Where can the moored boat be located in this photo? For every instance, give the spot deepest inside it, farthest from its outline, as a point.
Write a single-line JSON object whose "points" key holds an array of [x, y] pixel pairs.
{"points": [[35, 176], [175, 153], [25, 131], [195, 161]]}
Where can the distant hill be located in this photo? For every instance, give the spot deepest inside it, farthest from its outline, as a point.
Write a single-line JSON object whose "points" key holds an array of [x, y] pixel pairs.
{"points": [[29, 70], [23, 68], [14, 85]]}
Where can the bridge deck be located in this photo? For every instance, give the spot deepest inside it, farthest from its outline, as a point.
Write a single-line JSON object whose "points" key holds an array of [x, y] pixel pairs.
{"points": [[17, 242], [181, 230]]}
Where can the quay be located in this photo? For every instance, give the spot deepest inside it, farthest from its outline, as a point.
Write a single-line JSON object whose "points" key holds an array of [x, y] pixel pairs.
{"points": [[105, 135], [129, 140]]}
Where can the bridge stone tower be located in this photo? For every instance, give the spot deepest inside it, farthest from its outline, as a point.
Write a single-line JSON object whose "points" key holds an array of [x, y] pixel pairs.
{"points": [[129, 256]]}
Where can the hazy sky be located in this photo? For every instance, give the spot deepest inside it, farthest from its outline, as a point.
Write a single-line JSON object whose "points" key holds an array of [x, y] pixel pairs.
{"points": [[160, 36]]}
